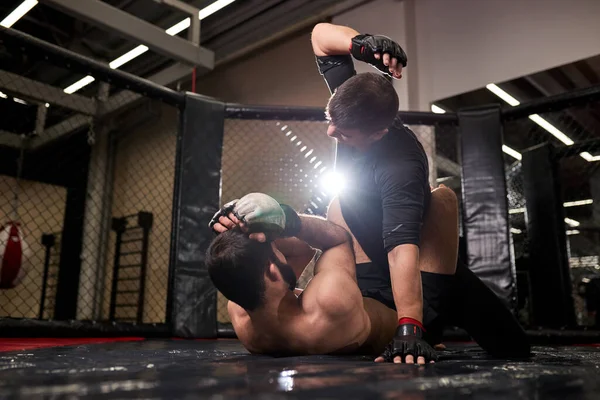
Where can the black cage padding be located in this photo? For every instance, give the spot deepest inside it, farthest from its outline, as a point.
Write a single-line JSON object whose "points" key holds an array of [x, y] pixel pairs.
{"points": [[194, 297], [484, 201], [549, 261]]}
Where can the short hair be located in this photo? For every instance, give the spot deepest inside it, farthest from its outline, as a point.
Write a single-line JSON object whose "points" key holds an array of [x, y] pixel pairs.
{"points": [[367, 102], [237, 266]]}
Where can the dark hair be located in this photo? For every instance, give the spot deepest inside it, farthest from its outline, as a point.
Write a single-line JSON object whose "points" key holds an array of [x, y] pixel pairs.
{"points": [[367, 102], [237, 266]]}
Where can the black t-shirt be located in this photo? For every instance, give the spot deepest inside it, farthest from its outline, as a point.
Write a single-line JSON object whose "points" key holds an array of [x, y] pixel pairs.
{"points": [[387, 192]]}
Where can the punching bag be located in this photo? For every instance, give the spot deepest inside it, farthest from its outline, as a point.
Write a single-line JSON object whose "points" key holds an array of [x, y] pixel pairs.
{"points": [[13, 253]]}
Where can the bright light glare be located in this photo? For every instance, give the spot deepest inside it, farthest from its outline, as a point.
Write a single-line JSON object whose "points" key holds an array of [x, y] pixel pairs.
{"points": [[437, 110], [18, 13], [516, 231], [333, 183]]}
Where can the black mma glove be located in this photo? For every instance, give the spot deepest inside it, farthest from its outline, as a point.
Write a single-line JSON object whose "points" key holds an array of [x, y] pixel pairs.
{"points": [[223, 212], [409, 340], [365, 46]]}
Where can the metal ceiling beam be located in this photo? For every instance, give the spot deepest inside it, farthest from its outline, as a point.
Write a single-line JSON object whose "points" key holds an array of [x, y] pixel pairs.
{"points": [[10, 139], [44, 93], [107, 17], [122, 99]]}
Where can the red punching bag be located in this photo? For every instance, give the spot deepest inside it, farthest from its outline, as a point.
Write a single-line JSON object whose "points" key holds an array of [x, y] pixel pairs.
{"points": [[13, 251]]}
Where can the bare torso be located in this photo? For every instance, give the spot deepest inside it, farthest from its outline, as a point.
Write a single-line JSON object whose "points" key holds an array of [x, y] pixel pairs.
{"points": [[289, 337]]}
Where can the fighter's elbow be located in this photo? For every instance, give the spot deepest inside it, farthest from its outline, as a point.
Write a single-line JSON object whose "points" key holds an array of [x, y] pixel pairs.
{"points": [[319, 31]]}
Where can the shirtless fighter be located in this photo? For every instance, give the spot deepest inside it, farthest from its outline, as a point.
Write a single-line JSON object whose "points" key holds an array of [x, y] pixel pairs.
{"points": [[255, 261], [255, 264]]}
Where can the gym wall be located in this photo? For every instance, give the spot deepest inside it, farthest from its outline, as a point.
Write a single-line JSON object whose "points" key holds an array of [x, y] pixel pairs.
{"points": [[284, 74], [41, 211], [143, 181]]}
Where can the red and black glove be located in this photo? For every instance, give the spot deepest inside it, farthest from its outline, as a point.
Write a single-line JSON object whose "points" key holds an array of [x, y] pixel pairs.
{"points": [[365, 46], [409, 340]]}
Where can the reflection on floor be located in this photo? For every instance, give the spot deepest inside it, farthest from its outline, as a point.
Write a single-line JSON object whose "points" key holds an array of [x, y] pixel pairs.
{"points": [[223, 369]]}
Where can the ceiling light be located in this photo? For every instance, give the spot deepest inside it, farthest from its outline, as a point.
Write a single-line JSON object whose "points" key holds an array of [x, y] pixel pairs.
{"points": [[18, 13], [516, 231], [130, 55], [213, 8], [17, 100], [578, 203], [179, 27], [572, 222], [4, 96], [437, 110], [573, 232], [511, 152], [552, 129], [141, 49], [502, 94], [540, 121], [79, 84], [588, 157]]}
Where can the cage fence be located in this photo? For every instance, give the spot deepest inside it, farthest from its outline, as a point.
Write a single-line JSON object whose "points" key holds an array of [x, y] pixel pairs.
{"points": [[71, 166], [569, 125], [294, 161]]}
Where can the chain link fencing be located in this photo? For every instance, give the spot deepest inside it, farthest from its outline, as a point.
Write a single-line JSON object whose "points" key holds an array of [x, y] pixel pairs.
{"points": [[86, 189], [578, 178], [293, 161]]}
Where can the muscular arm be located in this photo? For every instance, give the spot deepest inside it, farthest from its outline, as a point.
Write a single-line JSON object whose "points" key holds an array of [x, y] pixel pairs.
{"points": [[330, 40], [403, 197]]}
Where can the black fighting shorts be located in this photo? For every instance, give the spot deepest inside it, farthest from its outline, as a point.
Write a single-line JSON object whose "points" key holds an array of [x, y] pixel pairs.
{"points": [[438, 290]]}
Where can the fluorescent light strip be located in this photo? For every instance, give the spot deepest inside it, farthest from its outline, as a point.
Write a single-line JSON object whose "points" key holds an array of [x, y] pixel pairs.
{"points": [[573, 232], [3, 95], [437, 110], [79, 84], [515, 231], [540, 121], [578, 203], [511, 152], [552, 129], [17, 100], [213, 8], [502, 94], [572, 222], [141, 49], [130, 55], [18, 13]]}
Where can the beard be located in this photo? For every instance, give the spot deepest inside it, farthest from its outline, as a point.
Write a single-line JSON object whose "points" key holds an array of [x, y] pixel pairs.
{"points": [[287, 273]]}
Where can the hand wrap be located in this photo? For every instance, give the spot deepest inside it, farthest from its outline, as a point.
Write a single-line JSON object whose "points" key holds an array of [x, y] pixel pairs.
{"points": [[365, 46]]}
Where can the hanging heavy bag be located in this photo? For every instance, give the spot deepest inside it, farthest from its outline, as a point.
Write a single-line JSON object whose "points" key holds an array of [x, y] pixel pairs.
{"points": [[13, 253]]}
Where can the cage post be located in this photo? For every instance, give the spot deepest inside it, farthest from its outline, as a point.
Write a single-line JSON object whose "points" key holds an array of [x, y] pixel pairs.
{"points": [[549, 263], [485, 202], [192, 298]]}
